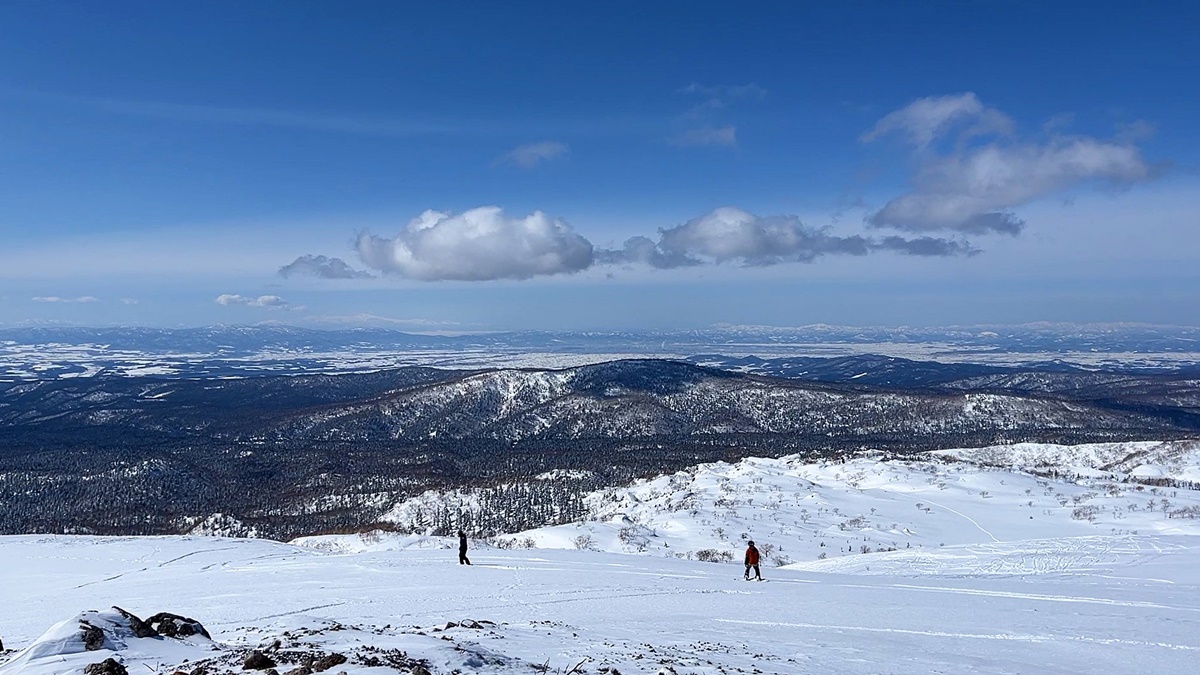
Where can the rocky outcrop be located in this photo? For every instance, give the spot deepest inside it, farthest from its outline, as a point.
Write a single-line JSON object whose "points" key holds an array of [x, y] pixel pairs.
{"points": [[92, 636], [106, 667], [77, 644], [176, 626], [140, 628], [326, 662], [258, 661], [310, 666]]}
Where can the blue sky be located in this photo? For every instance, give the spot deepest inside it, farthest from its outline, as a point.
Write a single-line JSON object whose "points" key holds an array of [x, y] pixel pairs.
{"points": [[477, 166]]}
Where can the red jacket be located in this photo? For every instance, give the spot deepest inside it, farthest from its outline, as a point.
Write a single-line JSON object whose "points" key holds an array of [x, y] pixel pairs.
{"points": [[751, 556]]}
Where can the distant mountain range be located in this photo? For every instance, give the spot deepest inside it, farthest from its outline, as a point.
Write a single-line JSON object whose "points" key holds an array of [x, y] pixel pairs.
{"points": [[293, 454], [287, 431], [629, 399]]}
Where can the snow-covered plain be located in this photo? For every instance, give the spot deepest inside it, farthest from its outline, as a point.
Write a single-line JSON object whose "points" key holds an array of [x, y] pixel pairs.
{"points": [[992, 573], [56, 360]]}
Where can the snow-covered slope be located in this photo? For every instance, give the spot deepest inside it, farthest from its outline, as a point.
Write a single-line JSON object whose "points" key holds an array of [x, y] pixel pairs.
{"points": [[390, 612], [93, 636], [801, 511], [1024, 559], [1146, 461]]}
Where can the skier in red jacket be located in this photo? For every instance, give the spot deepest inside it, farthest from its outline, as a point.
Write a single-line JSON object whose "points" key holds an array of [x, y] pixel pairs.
{"points": [[752, 561]]}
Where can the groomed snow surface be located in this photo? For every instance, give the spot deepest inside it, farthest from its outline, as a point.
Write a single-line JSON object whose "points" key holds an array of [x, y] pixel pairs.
{"points": [[978, 582]]}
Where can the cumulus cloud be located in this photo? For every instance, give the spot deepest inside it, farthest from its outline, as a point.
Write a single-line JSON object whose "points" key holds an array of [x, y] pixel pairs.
{"points": [[55, 298], [323, 267], [484, 244], [531, 155], [974, 187], [731, 234], [267, 301], [477, 245], [725, 136]]}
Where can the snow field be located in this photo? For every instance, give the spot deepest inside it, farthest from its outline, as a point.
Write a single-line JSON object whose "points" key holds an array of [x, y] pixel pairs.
{"points": [[994, 570], [518, 610], [803, 511]]}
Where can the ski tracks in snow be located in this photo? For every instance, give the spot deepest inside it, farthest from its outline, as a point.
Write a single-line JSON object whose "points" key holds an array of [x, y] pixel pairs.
{"points": [[960, 514], [159, 565], [1017, 637]]}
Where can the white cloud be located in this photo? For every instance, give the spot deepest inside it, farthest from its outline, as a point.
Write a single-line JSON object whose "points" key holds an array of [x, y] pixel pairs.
{"points": [[323, 267], [477, 245], [731, 234], [972, 188], [531, 155], [55, 298], [925, 119], [129, 301], [725, 136], [267, 301]]}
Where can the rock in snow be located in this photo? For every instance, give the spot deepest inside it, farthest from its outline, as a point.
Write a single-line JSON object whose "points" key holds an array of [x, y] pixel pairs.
{"points": [[140, 628], [173, 625], [77, 642], [258, 661], [105, 667]]}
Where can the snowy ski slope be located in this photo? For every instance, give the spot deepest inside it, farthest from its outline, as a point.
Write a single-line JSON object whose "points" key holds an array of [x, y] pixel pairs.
{"points": [[635, 614], [981, 580]]}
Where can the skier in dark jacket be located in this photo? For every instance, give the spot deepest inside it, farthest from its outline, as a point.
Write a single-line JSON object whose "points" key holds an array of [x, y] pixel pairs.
{"points": [[462, 549], [752, 561]]}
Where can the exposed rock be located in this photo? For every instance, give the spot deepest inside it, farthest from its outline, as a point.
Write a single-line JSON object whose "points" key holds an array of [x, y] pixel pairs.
{"points": [[93, 636], [326, 662], [302, 670], [140, 628], [105, 667], [419, 670], [258, 661], [176, 626]]}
